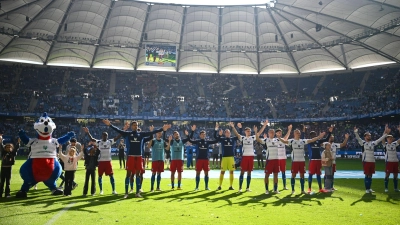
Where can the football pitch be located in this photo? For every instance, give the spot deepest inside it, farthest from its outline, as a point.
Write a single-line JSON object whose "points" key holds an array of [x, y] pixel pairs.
{"points": [[349, 205]]}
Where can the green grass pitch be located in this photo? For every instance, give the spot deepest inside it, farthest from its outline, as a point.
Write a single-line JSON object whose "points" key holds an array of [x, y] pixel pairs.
{"points": [[348, 205]]}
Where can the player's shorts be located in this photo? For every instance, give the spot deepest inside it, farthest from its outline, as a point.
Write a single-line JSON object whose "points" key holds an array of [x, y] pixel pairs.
{"points": [[282, 165], [157, 166], [147, 154], [134, 163], [334, 167], [202, 164], [369, 167], [105, 167], [177, 165], [247, 163], [298, 167], [144, 166], [271, 166], [314, 167], [215, 157], [392, 167], [228, 163]]}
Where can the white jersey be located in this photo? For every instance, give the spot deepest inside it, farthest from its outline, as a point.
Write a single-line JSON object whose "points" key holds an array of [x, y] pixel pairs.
{"points": [[334, 149], [390, 152], [272, 148], [43, 148], [281, 150], [368, 148], [247, 145], [297, 147], [105, 149]]}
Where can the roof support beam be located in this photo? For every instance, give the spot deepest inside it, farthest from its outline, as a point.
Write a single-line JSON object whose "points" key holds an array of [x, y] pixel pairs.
{"points": [[181, 38], [27, 24], [20, 7], [257, 38], [284, 40], [58, 31], [344, 55], [309, 36], [102, 32], [219, 38], [385, 4], [334, 17], [142, 36], [360, 43]]}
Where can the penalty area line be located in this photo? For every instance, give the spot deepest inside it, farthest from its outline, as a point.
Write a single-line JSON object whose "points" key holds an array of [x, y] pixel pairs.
{"points": [[59, 214]]}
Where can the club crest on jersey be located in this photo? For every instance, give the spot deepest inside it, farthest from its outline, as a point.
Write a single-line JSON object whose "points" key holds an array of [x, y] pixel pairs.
{"points": [[299, 146], [135, 139], [44, 147]]}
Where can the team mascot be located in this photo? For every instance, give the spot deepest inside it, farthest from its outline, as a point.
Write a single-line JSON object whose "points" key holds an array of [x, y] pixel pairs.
{"points": [[42, 164]]}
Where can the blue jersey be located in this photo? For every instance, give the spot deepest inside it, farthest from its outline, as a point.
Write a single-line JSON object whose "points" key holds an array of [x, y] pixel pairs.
{"points": [[157, 153], [314, 148], [228, 145], [189, 150], [202, 147], [135, 140]]}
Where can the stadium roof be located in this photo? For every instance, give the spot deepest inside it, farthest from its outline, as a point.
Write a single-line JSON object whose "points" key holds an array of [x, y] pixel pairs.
{"points": [[281, 37]]}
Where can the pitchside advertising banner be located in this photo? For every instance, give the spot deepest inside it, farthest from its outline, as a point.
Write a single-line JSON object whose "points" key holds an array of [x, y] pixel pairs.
{"points": [[160, 55]]}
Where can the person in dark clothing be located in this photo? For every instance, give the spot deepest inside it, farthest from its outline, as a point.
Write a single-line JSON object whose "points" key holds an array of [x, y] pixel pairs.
{"points": [[121, 153], [91, 162], [7, 161]]}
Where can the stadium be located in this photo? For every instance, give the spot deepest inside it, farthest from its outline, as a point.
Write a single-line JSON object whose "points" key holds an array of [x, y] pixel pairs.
{"points": [[195, 72]]}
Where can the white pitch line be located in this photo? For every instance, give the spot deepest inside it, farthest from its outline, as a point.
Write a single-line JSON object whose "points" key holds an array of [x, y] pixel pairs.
{"points": [[59, 214]]}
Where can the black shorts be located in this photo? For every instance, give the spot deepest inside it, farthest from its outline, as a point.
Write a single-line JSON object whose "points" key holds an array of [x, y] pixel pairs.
{"points": [[147, 154], [215, 156], [167, 156]]}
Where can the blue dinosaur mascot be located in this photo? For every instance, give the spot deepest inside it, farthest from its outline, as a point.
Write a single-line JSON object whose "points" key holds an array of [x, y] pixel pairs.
{"points": [[42, 165]]}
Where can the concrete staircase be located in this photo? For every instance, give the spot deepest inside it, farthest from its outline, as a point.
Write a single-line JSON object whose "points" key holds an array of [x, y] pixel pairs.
{"points": [[135, 106], [364, 82], [112, 84], [283, 86], [182, 108], [85, 105], [273, 109], [244, 92], [65, 82], [16, 78], [228, 109], [32, 104], [201, 90], [320, 82]]}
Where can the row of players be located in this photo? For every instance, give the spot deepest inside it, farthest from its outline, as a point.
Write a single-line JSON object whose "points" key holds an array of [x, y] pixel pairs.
{"points": [[100, 155]]}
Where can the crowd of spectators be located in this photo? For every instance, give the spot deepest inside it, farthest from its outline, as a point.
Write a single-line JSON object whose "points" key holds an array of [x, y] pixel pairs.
{"points": [[62, 90]]}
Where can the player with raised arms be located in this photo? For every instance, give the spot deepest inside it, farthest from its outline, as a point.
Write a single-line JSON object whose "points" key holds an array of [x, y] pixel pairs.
{"points": [[271, 161], [298, 161], [105, 165], [334, 149], [368, 158], [158, 145], [282, 153], [134, 162], [228, 145], [202, 158], [247, 163], [177, 146], [314, 158], [392, 161]]}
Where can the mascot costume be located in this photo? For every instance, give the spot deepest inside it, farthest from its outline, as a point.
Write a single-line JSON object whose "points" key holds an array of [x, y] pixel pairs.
{"points": [[42, 164]]}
